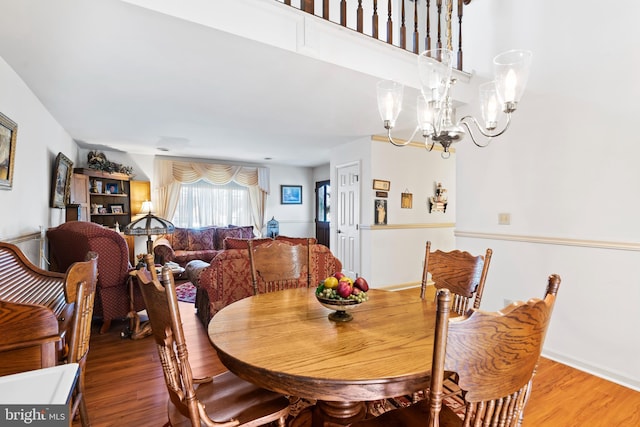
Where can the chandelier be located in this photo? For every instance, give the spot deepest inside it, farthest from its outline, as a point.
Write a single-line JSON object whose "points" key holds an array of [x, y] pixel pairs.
{"points": [[435, 112]]}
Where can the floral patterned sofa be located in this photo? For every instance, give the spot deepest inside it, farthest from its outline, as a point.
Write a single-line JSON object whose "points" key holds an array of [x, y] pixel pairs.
{"points": [[227, 278], [188, 244]]}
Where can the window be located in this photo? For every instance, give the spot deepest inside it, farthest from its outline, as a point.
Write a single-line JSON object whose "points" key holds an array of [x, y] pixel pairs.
{"points": [[202, 204]]}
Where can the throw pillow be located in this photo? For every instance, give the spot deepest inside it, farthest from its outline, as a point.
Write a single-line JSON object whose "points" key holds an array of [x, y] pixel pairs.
{"points": [[202, 239], [180, 239], [247, 230], [224, 232]]}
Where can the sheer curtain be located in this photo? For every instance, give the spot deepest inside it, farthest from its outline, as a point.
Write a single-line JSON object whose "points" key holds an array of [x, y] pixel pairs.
{"points": [[171, 174], [202, 204]]}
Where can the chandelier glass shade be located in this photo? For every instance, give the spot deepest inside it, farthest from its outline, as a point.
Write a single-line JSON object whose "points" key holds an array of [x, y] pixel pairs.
{"points": [[435, 112]]}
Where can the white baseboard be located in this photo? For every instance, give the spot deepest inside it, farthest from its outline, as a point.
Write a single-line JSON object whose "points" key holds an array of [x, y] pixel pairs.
{"points": [[593, 370]]}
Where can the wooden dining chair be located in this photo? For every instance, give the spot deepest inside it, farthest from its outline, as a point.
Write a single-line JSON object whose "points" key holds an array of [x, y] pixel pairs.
{"points": [[460, 272], [80, 288], [495, 355], [225, 397], [279, 265]]}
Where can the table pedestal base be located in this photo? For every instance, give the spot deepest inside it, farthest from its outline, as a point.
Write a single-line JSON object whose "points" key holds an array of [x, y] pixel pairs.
{"points": [[328, 414]]}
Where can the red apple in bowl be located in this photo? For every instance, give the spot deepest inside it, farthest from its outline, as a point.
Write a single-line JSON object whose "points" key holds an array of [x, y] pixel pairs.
{"points": [[344, 288], [361, 284], [338, 275]]}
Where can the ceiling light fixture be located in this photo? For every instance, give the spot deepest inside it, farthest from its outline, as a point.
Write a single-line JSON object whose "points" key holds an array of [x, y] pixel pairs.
{"points": [[436, 115]]}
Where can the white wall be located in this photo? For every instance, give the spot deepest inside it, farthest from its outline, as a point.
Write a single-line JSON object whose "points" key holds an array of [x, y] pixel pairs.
{"points": [[393, 255], [565, 170], [295, 220], [39, 139]]}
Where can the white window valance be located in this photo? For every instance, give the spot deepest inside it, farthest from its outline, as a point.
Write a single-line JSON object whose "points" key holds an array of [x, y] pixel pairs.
{"points": [[190, 172]]}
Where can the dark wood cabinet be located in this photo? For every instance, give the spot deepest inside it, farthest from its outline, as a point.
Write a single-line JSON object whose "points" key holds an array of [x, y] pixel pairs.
{"points": [[109, 197]]}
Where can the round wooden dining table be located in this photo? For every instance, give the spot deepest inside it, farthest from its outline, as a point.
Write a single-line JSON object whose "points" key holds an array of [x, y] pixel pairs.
{"points": [[284, 341]]}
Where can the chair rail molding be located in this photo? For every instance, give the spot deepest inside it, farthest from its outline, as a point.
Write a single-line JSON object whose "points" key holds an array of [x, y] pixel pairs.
{"points": [[408, 226], [546, 240]]}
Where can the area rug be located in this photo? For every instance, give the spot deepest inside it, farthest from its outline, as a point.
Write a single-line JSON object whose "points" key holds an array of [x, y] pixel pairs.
{"points": [[186, 292]]}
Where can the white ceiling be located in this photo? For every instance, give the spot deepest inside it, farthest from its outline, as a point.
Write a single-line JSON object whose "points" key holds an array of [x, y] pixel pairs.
{"points": [[125, 78]]}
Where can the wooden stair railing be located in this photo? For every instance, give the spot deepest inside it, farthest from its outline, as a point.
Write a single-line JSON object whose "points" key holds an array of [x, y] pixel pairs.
{"points": [[441, 11]]}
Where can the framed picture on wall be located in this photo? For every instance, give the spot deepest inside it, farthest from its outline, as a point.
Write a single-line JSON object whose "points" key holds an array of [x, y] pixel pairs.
{"points": [[291, 194], [380, 212], [61, 181], [8, 131], [379, 184]]}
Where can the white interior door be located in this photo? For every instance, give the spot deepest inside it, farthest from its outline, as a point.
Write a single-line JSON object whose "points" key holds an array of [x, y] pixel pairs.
{"points": [[348, 217]]}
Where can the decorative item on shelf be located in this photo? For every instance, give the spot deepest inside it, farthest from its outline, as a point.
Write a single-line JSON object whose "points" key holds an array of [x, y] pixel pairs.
{"points": [[436, 115], [116, 208], [98, 161], [406, 200], [273, 227], [379, 184], [380, 212], [438, 203], [149, 225], [94, 186], [117, 227], [111, 188]]}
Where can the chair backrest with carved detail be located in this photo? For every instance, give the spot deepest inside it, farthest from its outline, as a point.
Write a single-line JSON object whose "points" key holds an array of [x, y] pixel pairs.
{"points": [[495, 355], [80, 288], [162, 308], [279, 265], [460, 272]]}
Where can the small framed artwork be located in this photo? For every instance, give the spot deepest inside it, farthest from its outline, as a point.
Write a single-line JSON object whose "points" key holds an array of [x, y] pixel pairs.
{"points": [[8, 132], [291, 194], [380, 213], [111, 188], [406, 202], [382, 194], [116, 208], [102, 210], [61, 181], [379, 184]]}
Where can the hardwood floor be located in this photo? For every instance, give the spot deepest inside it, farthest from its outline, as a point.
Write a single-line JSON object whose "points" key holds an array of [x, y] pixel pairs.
{"points": [[125, 386]]}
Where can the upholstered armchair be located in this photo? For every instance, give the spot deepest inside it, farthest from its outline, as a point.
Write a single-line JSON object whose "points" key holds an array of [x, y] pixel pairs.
{"points": [[70, 242]]}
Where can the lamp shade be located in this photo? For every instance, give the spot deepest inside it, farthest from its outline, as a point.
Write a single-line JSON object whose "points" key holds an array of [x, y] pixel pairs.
{"points": [[389, 100], [147, 206], [489, 104], [511, 74], [434, 70], [149, 225]]}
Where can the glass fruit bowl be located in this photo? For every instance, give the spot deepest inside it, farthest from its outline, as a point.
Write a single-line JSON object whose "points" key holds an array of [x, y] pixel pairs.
{"points": [[340, 305]]}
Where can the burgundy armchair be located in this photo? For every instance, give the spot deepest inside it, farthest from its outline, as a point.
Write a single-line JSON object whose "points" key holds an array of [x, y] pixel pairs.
{"points": [[70, 242]]}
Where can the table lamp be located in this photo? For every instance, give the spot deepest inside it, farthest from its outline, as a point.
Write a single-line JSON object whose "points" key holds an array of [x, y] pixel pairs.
{"points": [[149, 225]]}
